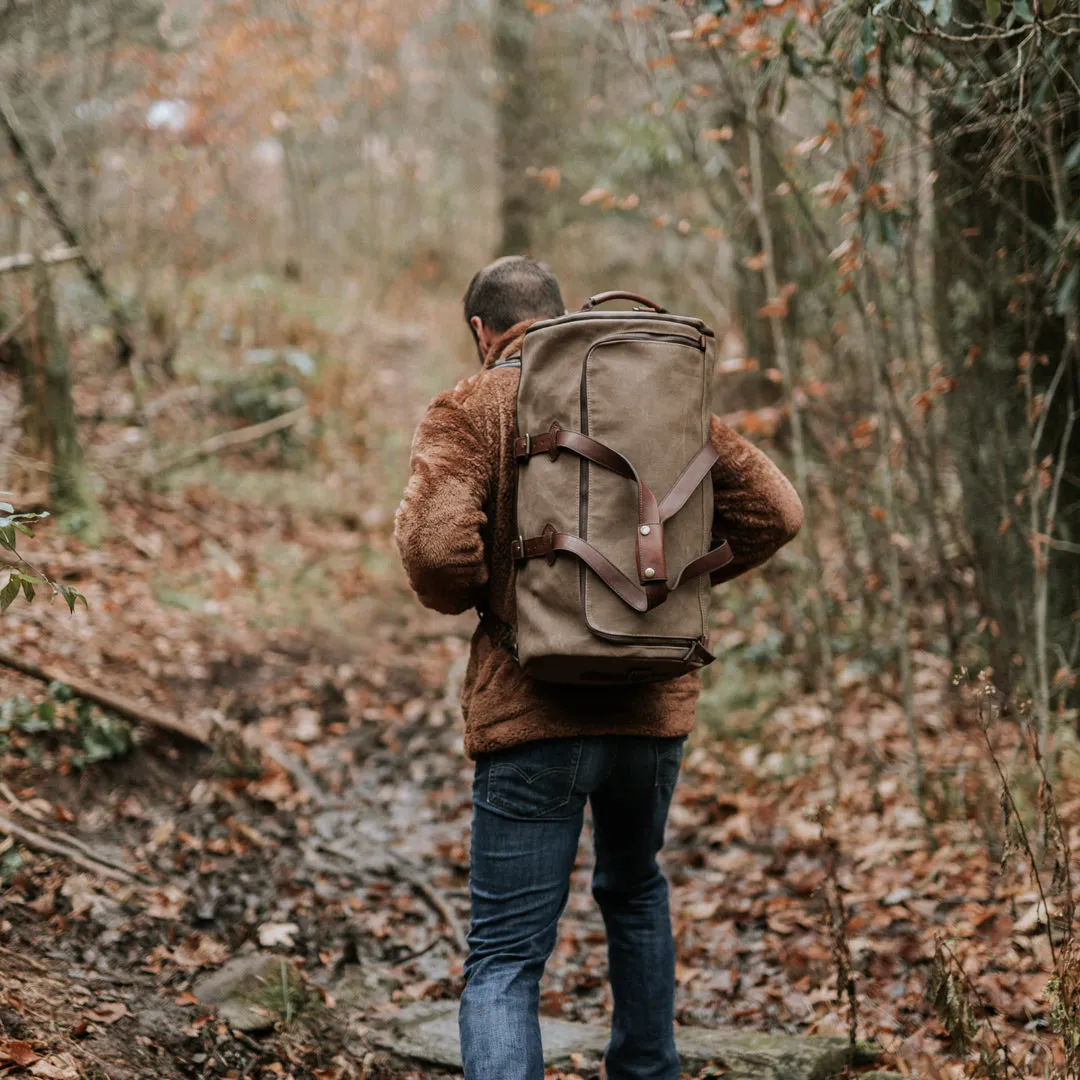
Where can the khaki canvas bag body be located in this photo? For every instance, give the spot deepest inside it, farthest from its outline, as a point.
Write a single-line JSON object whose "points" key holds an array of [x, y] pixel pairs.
{"points": [[614, 495]]}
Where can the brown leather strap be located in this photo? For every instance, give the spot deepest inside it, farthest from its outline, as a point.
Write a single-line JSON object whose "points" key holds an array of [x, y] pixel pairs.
{"points": [[550, 542], [712, 560], [640, 598], [689, 482], [651, 561], [615, 294], [557, 438]]}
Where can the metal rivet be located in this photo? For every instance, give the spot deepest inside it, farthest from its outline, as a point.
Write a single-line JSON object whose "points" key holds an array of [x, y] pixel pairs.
{"points": [[645, 530], [650, 572]]}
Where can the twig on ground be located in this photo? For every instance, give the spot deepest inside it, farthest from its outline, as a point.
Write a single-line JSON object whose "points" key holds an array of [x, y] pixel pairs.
{"points": [[117, 703], [18, 804], [299, 772], [229, 440], [411, 875], [96, 864], [437, 902]]}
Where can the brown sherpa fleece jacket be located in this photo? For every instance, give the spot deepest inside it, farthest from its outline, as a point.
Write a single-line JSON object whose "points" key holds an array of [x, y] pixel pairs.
{"points": [[454, 528]]}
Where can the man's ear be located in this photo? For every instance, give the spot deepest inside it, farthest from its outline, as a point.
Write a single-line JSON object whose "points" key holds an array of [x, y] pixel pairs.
{"points": [[482, 335]]}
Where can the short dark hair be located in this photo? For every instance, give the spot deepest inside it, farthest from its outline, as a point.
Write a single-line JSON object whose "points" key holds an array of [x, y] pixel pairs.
{"points": [[511, 290]]}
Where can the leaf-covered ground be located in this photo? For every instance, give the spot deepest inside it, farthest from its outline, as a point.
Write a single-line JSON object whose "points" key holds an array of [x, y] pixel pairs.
{"points": [[328, 823]]}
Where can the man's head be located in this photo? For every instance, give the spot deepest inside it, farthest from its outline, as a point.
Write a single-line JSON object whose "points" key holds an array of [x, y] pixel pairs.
{"points": [[510, 290]]}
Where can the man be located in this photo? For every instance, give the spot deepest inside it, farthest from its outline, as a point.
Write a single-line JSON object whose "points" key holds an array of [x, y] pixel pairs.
{"points": [[543, 750]]}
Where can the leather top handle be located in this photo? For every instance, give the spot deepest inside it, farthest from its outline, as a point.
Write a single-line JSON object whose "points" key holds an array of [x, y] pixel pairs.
{"points": [[616, 294]]}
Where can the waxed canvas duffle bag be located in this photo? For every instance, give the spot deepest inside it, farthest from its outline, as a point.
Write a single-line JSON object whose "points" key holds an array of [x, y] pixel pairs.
{"points": [[614, 495]]}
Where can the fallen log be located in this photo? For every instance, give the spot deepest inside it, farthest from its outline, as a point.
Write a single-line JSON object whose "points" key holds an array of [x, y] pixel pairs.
{"points": [[123, 706], [228, 440]]}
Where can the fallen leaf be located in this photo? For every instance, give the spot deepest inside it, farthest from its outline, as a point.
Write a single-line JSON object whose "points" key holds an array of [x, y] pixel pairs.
{"points": [[272, 934], [17, 1051], [55, 1068], [107, 1012]]}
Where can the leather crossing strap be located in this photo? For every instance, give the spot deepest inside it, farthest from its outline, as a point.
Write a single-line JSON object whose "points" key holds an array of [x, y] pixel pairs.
{"points": [[558, 438], [640, 597], [651, 560], [550, 542], [688, 483], [650, 534]]}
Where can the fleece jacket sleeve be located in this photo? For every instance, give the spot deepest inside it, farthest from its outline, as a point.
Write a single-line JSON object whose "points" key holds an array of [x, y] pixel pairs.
{"points": [[755, 508], [439, 524]]}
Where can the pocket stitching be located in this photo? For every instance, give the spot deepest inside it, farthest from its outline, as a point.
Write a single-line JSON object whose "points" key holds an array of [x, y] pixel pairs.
{"points": [[572, 770]]}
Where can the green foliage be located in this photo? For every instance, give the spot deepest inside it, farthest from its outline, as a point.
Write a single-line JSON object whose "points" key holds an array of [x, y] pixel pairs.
{"points": [[24, 578], [83, 733]]}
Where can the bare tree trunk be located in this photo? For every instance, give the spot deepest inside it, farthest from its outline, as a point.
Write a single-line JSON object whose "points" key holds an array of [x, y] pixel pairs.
{"points": [[21, 151], [299, 228], [69, 488], [510, 43]]}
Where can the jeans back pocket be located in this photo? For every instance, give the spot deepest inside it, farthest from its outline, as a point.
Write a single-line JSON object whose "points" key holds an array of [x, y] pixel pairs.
{"points": [[533, 780]]}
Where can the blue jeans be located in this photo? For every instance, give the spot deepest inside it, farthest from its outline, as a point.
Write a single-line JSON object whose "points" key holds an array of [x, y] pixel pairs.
{"points": [[528, 807]]}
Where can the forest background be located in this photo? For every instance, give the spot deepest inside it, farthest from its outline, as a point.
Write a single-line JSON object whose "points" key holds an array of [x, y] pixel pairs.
{"points": [[233, 239]]}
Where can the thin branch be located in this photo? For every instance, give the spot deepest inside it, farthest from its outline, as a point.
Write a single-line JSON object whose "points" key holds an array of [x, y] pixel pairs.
{"points": [[229, 440], [9, 125], [38, 842], [24, 260]]}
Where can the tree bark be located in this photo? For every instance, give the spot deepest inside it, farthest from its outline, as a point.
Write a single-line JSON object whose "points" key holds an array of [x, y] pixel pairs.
{"points": [[992, 334], [516, 112], [69, 488], [20, 149]]}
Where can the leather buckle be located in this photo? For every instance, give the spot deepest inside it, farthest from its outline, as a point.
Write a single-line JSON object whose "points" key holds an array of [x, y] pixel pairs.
{"points": [[517, 549], [528, 446]]}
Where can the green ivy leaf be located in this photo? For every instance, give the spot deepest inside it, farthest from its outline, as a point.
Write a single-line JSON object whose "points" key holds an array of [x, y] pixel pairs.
{"points": [[61, 692], [7, 508], [1023, 11], [927, 6], [868, 33], [7, 537], [1072, 159], [8, 593], [944, 12], [1049, 7], [859, 65], [28, 589]]}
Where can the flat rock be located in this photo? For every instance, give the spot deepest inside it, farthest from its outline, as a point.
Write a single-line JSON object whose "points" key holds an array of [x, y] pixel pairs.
{"points": [[249, 992], [429, 1033]]}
